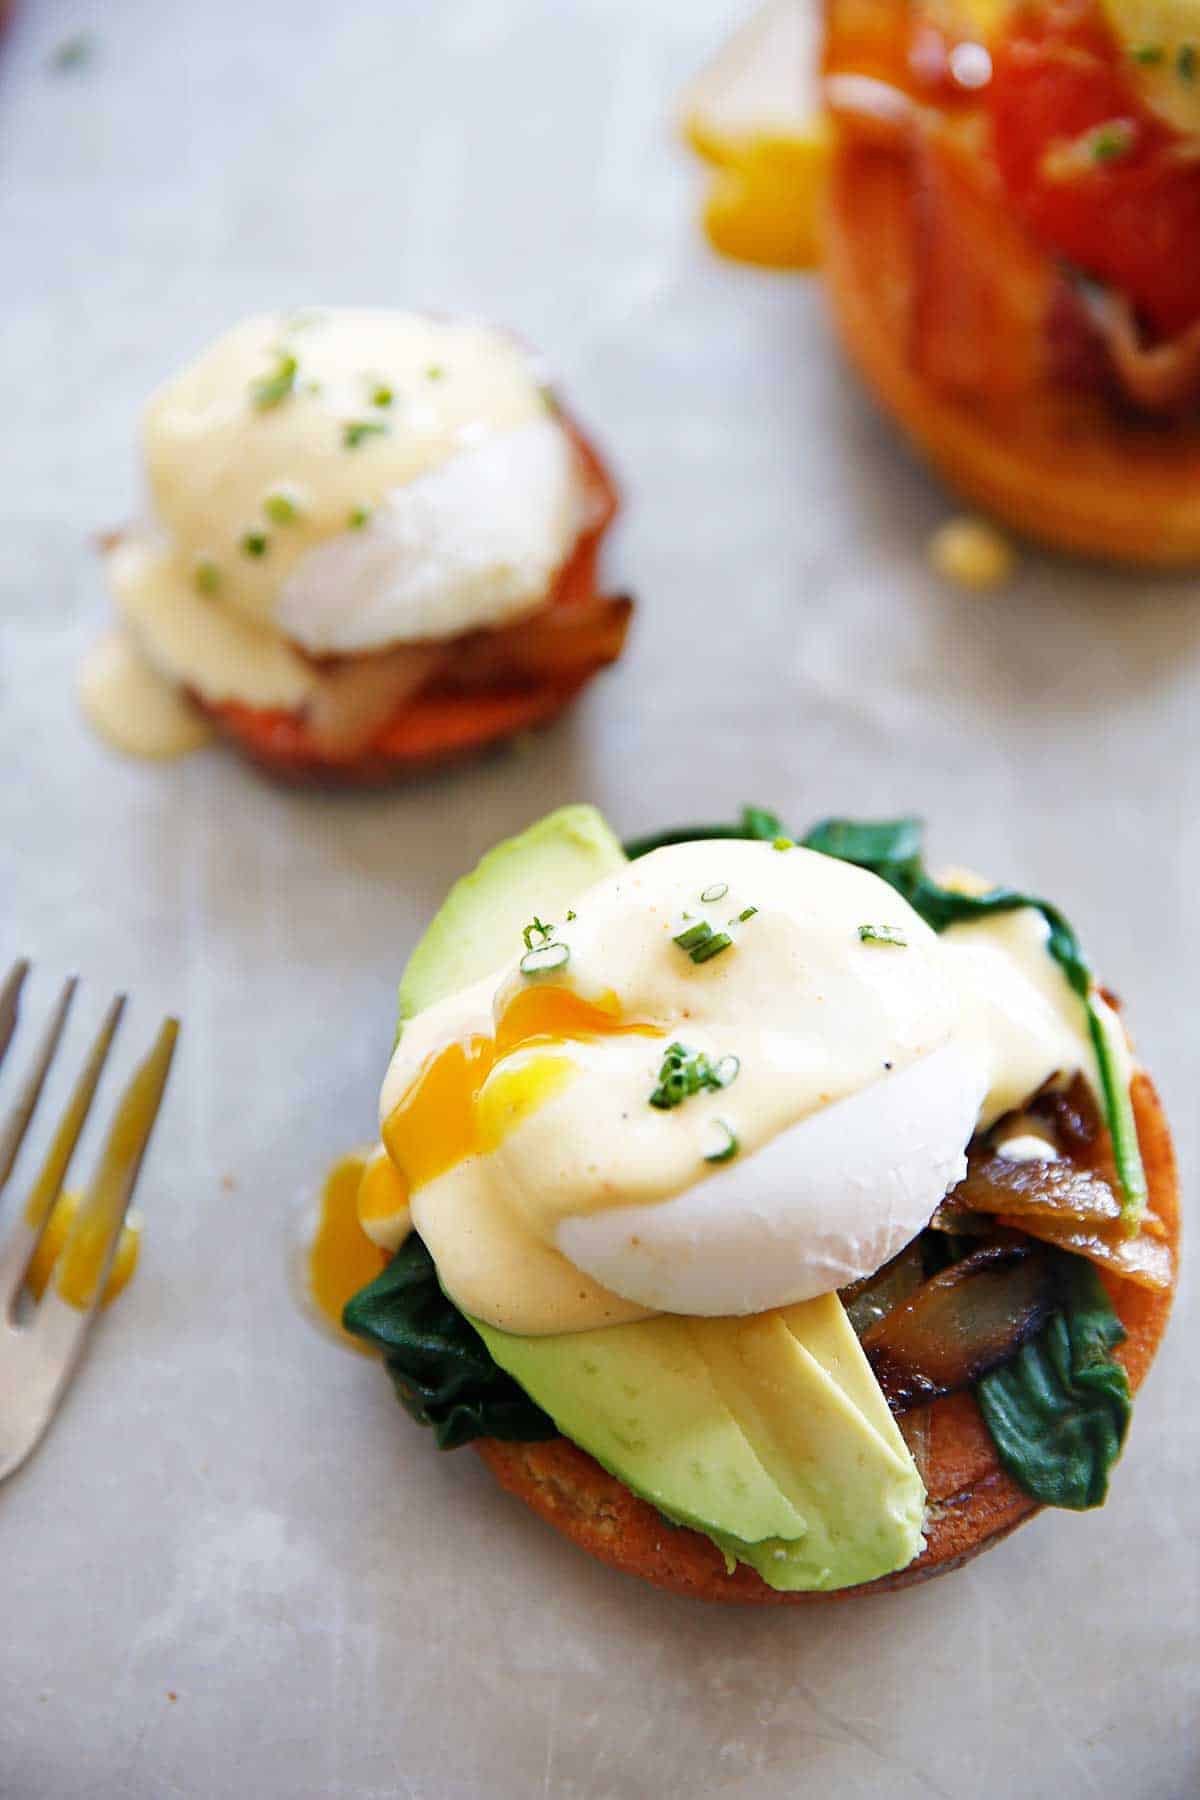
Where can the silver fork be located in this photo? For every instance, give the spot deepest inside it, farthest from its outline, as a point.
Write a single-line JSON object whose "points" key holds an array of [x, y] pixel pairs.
{"points": [[38, 1358]]}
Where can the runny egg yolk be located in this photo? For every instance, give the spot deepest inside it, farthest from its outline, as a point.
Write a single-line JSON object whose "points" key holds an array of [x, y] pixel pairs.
{"points": [[462, 1105], [340, 1256]]}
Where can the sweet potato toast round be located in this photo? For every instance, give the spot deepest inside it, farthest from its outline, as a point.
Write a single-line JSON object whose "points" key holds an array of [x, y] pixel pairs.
{"points": [[1065, 468], [973, 1503], [448, 724]]}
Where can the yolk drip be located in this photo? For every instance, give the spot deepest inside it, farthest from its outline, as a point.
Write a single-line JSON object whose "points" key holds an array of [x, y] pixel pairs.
{"points": [[77, 1280], [439, 1121], [766, 197], [341, 1257]]}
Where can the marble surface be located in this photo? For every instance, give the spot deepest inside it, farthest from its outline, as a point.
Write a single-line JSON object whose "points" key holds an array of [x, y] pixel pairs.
{"points": [[234, 1568]]}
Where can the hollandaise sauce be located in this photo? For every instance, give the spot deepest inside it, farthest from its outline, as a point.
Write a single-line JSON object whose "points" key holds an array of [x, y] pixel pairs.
{"points": [[633, 1126]]}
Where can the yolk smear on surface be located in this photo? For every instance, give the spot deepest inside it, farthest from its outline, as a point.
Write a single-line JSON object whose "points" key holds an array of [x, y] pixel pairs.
{"points": [[439, 1121], [341, 1257], [77, 1280]]}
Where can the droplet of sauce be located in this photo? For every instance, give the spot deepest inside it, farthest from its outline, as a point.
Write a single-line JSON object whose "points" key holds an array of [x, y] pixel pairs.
{"points": [[134, 708]]}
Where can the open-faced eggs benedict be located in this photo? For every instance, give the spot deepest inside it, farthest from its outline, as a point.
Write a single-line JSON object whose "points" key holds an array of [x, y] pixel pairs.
{"points": [[1007, 208], [371, 543], [773, 1179]]}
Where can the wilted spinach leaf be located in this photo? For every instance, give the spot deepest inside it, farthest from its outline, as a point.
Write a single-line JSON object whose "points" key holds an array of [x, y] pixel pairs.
{"points": [[1059, 1411], [441, 1368]]}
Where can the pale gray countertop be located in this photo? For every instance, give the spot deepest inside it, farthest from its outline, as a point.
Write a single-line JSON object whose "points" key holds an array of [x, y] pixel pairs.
{"points": [[230, 1510]]}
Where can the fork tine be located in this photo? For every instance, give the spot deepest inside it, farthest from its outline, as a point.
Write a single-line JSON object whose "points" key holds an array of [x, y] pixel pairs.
{"points": [[82, 1268], [10, 1002], [17, 1124], [18, 1245], [49, 1350]]}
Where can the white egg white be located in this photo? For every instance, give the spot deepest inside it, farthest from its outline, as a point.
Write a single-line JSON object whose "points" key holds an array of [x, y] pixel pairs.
{"points": [[823, 1203]]}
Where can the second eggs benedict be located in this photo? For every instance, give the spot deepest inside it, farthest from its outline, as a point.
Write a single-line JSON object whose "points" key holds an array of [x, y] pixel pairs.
{"points": [[370, 544]]}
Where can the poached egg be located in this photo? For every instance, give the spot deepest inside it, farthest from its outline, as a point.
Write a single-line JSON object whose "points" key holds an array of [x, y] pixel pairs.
{"points": [[342, 482], [626, 1119]]}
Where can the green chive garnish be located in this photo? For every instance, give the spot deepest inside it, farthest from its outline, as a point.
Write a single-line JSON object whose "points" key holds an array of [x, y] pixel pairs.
{"points": [[717, 891], [712, 946], [382, 395], [728, 1148], [1111, 142], [536, 932], [783, 843], [356, 431], [1147, 54], [435, 372], [255, 543], [273, 389], [206, 576], [687, 1072], [694, 936], [883, 934], [544, 958], [1185, 63], [359, 517], [747, 912], [281, 508]]}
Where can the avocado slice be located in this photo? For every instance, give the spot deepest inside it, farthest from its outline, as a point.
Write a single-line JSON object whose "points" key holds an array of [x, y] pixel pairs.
{"points": [[784, 1454], [856, 1484], [641, 1400], [479, 923]]}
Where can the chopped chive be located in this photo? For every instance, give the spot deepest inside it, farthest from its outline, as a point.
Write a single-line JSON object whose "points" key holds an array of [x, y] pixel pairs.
{"points": [[544, 958], [717, 891], [359, 517], [537, 928], [712, 946], [694, 936], [1185, 63], [273, 389], [686, 1072], [281, 508], [1147, 54], [356, 431], [883, 934], [206, 576], [382, 395], [435, 372], [256, 543], [1112, 141], [728, 1148], [747, 912], [783, 843], [570, 917]]}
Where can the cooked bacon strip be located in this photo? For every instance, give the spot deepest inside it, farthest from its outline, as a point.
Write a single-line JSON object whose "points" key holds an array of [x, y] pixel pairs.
{"points": [[1158, 378]]}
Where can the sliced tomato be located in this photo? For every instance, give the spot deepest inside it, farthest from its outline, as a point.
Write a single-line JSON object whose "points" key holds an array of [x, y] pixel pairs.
{"points": [[1131, 217]]}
